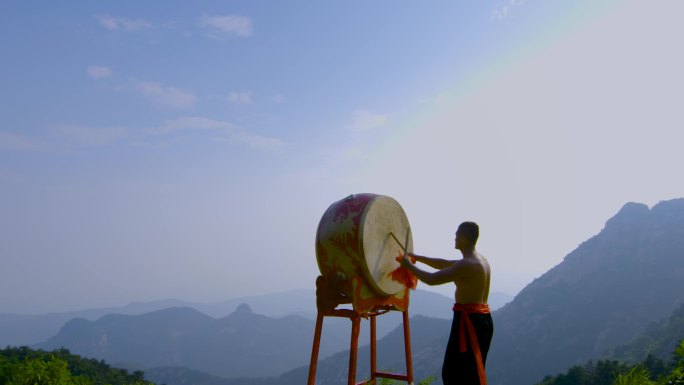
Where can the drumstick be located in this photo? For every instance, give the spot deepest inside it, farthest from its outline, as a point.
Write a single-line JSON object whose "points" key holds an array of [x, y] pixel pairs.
{"points": [[404, 248]]}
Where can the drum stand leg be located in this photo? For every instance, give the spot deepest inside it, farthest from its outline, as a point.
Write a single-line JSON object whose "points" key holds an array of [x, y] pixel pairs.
{"points": [[314, 349], [407, 348], [373, 354], [354, 347], [373, 350]]}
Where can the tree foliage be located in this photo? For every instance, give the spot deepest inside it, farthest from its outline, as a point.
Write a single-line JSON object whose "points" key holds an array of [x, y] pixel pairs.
{"points": [[651, 371], [637, 375], [37, 371], [676, 377], [23, 366]]}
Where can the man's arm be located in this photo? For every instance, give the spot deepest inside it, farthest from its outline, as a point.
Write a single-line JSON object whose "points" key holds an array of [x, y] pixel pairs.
{"points": [[435, 263], [448, 274]]}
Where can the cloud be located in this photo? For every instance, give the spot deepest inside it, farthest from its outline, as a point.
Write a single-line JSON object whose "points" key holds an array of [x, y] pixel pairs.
{"points": [[343, 156], [435, 100], [227, 131], [502, 11], [11, 141], [259, 142], [121, 23], [363, 120], [63, 137], [229, 24], [279, 98], [99, 72], [166, 95], [240, 97], [84, 136], [191, 123]]}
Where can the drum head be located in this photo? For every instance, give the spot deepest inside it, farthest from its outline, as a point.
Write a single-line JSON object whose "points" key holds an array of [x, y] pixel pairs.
{"points": [[385, 230]]}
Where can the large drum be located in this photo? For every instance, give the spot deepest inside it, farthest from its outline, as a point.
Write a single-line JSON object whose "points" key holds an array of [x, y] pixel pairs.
{"points": [[361, 236]]}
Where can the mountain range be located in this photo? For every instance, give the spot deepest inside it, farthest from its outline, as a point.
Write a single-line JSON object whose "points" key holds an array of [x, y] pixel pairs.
{"points": [[27, 330], [234, 345], [240, 344]]}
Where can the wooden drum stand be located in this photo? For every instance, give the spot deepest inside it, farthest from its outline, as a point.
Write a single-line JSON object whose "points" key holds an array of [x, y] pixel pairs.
{"points": [[327, 301]]}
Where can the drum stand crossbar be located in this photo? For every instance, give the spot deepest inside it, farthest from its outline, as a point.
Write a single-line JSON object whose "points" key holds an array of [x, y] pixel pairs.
{"points": [[325, 310]]}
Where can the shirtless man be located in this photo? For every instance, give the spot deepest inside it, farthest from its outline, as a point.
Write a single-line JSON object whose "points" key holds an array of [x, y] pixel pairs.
{"points": [[465, 356]]}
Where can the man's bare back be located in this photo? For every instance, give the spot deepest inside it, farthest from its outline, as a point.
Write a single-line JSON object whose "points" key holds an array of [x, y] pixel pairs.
{"points": [[472, 285]]}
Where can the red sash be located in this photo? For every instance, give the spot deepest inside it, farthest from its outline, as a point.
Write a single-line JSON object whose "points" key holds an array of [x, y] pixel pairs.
{"points": [[466, 323]]}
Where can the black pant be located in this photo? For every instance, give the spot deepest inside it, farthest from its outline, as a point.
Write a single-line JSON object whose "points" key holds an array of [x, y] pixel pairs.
{"points": [[461, 368]]}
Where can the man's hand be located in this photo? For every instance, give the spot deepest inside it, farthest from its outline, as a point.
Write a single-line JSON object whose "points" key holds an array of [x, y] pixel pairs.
{"points": [[404, 273], [407, 259]]}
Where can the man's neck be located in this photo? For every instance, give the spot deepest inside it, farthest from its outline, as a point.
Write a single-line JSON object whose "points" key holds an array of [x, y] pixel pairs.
{"points": [[468, 253]]}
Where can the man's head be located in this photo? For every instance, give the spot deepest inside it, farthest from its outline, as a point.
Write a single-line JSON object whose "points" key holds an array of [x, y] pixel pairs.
{"points": [[466, 235]]}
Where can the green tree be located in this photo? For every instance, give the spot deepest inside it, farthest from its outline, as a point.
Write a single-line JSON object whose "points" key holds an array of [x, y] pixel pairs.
{"points": [[37, 371], [650, 371], [23, 365], [635, 376], [676, 377]]}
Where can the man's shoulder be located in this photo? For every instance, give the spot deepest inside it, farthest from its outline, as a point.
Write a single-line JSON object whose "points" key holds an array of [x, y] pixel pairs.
{"points": [[469, 263], [482, 259], [475, 263]]}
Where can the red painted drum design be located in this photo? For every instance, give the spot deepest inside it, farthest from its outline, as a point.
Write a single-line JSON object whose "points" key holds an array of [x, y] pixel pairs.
{"points": [[359, 237]]}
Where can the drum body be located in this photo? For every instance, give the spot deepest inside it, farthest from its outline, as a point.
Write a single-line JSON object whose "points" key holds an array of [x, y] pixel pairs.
{"points": [[360, 237]]}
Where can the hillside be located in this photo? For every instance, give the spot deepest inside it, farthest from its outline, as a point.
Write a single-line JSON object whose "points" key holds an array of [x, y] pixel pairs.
{"points": [[659, 350], [659, 340], [602, 295]]}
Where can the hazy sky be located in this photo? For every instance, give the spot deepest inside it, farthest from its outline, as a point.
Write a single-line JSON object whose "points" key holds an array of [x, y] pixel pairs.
{"points": [[188, 149]]}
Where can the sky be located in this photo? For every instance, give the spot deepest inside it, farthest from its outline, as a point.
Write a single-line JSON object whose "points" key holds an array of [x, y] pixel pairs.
{"points": [[172, 149]]}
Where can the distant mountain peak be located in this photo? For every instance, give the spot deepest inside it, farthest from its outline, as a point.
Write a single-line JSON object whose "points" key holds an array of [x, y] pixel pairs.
{"points": [[631, 211], [635, 218], [243, 308]]}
